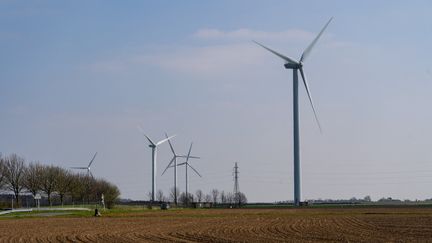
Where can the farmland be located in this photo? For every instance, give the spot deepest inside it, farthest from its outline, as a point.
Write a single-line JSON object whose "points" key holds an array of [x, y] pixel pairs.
{"points": [[226, 225]]}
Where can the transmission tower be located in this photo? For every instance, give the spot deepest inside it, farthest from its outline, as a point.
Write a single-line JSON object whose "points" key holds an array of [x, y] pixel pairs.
{"points": [[236, 185]]}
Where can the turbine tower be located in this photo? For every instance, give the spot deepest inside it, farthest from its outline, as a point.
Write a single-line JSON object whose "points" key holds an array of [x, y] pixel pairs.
{"points": [[174, 160], [296, 66], [88, 167], [154, 146]]}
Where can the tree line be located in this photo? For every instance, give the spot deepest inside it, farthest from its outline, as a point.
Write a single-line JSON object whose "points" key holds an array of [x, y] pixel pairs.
{"points": [[214, 196], [19, 178]]}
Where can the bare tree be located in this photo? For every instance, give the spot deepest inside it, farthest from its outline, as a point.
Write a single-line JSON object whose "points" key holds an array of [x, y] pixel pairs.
{"points": [[208, 198], [149, 196], [182, 198], [2, 171], [49, 180], [185, 200], [367, 198], [63, 184], [108, 190], [160, 195], [190, 198], [199, 195], [77, 189], [89, 183], [82, 187], [223, 197], [32, 178], [174, 193], [14, 174], [230, 198], [215, 195], [242, 199]]}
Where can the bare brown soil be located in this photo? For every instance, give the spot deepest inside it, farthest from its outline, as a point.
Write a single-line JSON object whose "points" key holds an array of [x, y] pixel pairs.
{"points": [[230, 225]]}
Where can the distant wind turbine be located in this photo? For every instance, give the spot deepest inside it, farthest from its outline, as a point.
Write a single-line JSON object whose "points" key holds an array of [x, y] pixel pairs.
{"points": [[88, 167], [174, 160], [295, 65], [186, 164], [154, 146]]}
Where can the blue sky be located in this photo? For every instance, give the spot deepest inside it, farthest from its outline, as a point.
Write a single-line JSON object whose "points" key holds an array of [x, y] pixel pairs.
{"points": [[78, 77]]}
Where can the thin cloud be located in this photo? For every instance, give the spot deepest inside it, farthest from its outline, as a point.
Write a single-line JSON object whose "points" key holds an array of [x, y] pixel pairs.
{"points": [[209, 60], [248, 34], [233, 52]]}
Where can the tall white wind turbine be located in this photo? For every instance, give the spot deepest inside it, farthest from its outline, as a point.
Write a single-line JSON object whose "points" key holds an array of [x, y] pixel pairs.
{"points": [[173, 163], [88, 166], [295, 65], [154, 146]]}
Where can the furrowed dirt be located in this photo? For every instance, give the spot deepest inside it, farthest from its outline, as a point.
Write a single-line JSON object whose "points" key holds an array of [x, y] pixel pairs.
{"points": [[230, 225]]}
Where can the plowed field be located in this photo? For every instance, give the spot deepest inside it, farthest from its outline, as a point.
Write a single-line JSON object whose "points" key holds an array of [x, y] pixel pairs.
{"points": [[229, 225]]}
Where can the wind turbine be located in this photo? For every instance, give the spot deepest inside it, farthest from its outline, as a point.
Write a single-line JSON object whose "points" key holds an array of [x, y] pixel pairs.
{"points": [[186, 164], [154, 146], [296, 66], [174, 160], [88, 167]]}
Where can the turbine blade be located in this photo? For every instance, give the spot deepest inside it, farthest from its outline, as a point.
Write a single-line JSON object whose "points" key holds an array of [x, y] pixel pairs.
{"points": [[310, 97], [188, 156], [169, 142], [91, 174], [287, 59], [91, 161], [194, 170], [169, 165], [79, 168], [164, 140], [311, 45], [142, 131], [181, 164]]}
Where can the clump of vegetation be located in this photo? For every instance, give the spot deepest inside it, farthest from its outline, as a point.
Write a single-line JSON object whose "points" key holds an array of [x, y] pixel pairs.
{"points": [[213, 198], [56, 184]]}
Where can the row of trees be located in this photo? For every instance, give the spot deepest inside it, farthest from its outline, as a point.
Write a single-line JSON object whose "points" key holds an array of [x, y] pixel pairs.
{"points": [[214, 196], [18, 177]]}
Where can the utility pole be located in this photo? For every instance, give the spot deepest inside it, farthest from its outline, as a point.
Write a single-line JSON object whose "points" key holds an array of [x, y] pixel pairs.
{"points": [[236, 185]]}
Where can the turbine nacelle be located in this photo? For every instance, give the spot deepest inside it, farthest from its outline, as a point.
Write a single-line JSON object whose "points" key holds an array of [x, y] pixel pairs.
{"points": [[293, 65]]}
